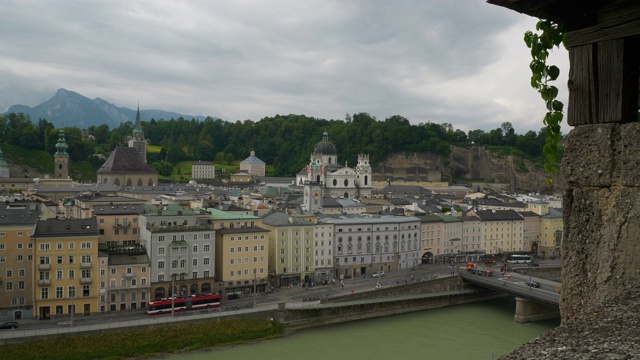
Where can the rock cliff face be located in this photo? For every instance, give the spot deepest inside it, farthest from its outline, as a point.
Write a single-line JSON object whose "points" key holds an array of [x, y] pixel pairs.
{"points": [[478, 163], [468, 165]]}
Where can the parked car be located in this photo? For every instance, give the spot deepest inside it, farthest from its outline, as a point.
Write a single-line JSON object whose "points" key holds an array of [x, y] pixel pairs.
{"points": [[378, 274], [9, 325], [532, 283]]}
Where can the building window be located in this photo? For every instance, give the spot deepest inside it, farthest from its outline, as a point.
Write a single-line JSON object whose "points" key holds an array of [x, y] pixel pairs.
{"points": [[44, 293], [207, 248]]}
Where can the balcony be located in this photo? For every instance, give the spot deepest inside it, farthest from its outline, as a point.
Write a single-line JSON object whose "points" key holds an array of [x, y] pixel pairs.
{"points": [[85, 280], [45, 282], [44, 266], [119, 225], [129, 275], [85, 265]]}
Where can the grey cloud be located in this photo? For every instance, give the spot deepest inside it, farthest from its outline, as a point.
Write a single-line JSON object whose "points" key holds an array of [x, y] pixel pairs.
{"points": [[251, 59]]}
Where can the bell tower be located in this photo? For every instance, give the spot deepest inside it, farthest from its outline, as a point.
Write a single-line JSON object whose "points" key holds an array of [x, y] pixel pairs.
{"points": [[137, 140], [313, 196], [61, 157]]}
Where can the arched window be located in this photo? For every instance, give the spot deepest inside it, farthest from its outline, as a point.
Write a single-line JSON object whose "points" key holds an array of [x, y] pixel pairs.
{"points": [[329, 160], [366, 179], [335, 182], [139, 182], [105, 180], [116, 182], [206, 288], [150, 182], [160, 293], [129, 182], [346, 182]]}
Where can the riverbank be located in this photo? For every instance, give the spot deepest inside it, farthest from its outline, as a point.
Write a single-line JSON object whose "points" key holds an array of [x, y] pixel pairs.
{"points": [[147, 342]]}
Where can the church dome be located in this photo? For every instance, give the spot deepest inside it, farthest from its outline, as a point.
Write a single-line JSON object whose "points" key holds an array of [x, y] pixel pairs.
{"points": [[325, 147]]}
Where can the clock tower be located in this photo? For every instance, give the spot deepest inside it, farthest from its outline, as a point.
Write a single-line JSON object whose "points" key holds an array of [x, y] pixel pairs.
{"points": [[313, 196]]}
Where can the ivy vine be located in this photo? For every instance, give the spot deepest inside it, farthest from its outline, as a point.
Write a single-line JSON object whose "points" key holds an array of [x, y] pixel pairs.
{"points": [[548, 36]]}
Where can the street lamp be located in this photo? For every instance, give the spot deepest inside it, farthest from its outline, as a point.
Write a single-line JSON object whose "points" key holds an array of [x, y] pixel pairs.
{"points": [[73, 309], [255, 294], [530, 278], [173, 297]]}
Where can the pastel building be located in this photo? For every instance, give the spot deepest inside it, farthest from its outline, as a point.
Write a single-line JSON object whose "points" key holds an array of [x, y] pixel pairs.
{"points": [[291, 255], [203, 170], [252, 165], [242, 260], [65, 267], [16, 261], [502, 231]]}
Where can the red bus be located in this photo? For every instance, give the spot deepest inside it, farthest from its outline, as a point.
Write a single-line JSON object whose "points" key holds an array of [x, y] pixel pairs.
{"points": [[194, 302]]}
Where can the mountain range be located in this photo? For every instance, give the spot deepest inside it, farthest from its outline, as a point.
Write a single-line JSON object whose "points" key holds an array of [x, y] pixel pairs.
{"points": [[68, 108]]}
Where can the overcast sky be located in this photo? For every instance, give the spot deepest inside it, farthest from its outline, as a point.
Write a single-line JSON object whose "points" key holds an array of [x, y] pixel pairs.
{"points": [[456, 61]]}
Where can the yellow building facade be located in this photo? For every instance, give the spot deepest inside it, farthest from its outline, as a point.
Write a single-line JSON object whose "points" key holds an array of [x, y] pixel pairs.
{"points": [[241, 262], [65, 267]]}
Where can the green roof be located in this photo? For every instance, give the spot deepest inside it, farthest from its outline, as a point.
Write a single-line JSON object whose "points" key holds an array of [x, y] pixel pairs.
{"points": [[223, 215]]}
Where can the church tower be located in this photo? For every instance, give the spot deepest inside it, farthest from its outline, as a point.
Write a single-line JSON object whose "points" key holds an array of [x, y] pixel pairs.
{"points": [[137, 140], [312, 200], [61, 157], [313, 196]]}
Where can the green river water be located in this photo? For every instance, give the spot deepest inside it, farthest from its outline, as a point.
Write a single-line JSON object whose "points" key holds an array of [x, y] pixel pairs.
{"points": [[481, 331]]}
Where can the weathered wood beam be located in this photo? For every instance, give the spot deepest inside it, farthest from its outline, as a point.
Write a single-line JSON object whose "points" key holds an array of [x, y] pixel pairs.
{"points": [[572, 14], [603, 82], [625, 25], [582, 93]]}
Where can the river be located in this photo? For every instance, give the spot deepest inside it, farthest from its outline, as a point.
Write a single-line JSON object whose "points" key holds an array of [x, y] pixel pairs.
{"points": [[480, 331]]}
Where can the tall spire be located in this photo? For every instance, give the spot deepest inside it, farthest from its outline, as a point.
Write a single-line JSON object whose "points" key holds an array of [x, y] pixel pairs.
{"points": [[137, 131]]}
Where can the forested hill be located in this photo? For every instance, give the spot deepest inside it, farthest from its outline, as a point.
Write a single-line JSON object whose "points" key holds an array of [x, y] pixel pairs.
{"points": [[286, 141]]}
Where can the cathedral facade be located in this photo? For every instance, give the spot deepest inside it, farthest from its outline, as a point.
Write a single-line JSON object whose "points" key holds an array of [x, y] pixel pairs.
{"points": [[335, 180]]}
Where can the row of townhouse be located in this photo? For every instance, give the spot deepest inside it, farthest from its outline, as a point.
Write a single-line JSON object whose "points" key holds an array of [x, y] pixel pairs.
{"points": [[124, 255], [491, 232]]}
